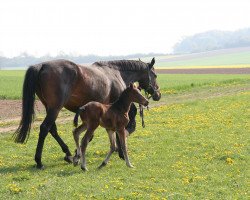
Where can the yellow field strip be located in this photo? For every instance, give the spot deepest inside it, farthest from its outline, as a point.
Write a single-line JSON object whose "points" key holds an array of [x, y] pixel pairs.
{"points": [[206, 67]]}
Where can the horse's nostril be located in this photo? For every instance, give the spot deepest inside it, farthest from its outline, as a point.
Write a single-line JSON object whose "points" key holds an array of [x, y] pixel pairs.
{"points": [[157, 96]]}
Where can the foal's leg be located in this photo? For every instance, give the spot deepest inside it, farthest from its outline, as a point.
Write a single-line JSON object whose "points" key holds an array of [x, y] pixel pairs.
{"points": [[112, 139], [76, 134], [122, 137], [130, 128], [65, 148], [44, 129], [85, 140]]}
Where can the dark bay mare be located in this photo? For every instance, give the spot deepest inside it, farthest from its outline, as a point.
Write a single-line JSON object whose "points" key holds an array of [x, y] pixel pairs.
{"points": [[113, 117], [62, 83]]}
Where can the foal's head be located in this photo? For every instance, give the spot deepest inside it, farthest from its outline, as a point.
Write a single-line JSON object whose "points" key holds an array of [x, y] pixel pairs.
{"points": [[135, 95]]}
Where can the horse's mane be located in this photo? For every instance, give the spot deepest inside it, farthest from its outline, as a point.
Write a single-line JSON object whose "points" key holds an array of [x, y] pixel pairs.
{"points": [[123, 65]]}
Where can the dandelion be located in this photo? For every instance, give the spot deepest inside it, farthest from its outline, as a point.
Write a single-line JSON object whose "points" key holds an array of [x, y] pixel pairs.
{"points": [[14, 188], [229, 161], [97, 152], [1, 163]]}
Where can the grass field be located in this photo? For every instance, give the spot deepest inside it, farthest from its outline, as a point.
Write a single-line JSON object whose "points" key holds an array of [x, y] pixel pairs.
{"points": [[11, 83], [195, 146], [219, 59]]}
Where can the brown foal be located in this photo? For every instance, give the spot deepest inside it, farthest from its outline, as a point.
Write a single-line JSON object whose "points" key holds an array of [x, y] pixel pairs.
{"points": [[112, 117]]}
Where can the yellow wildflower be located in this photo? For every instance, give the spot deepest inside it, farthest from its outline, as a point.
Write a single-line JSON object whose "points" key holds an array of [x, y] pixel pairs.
{"points": [[229, 161]]}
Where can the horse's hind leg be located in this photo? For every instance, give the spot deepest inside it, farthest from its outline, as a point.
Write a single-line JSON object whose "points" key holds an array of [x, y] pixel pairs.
{"points": [[44, 129], [65, 148], [76, 133], [112, 139], [122, 138]]}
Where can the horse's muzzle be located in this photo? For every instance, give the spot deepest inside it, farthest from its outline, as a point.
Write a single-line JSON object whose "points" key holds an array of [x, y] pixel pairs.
{"points": [[156, 96]]}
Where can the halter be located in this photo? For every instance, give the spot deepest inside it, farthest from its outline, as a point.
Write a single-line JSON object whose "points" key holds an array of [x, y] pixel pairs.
{"points": [[150, 85]]}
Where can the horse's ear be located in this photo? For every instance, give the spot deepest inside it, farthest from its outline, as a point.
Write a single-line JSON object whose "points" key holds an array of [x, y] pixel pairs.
{"points": [[139, 59], [152, 63]]}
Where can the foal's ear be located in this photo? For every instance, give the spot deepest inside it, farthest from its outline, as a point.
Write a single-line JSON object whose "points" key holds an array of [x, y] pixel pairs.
{"points": [[131, 85], [152, 63]]}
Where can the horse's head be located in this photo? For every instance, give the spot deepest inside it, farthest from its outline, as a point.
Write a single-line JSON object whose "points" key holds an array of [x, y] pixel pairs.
{"points": [[148, 81], [136, 96]]}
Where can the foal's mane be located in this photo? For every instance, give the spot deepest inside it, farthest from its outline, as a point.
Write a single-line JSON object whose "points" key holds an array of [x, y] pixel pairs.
{"points": [[120, 101], [123, 65]]}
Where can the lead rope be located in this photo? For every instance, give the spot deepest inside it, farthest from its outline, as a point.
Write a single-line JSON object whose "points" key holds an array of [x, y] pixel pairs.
{"points": [[141, 107], [142, 115]]}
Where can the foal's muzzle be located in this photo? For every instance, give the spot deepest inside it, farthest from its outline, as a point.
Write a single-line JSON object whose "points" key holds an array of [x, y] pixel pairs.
{"points": [[145, 103]]}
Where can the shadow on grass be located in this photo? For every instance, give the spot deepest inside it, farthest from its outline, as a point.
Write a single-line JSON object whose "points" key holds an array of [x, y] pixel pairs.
{"points": [[58, 168]]}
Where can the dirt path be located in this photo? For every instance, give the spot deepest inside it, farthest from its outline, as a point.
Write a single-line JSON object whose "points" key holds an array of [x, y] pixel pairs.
{"points": [[12, 128], [12, 109]]}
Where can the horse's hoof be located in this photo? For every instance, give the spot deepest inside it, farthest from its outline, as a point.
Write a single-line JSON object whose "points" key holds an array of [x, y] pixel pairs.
{"points": [[41, 167], [84, 168], [121, 155], [68, 159]]}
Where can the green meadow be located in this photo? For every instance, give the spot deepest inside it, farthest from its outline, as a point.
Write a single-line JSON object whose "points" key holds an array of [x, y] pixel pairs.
{"points": [[219, 58], [11, 83], [195, 146]]}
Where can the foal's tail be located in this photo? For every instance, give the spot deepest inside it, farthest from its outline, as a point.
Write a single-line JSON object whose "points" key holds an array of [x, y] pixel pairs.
{"points": [[78, 112], [29, 88]]}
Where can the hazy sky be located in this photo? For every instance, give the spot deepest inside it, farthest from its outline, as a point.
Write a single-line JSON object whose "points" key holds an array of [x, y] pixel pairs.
{"points": [[111, 27]]}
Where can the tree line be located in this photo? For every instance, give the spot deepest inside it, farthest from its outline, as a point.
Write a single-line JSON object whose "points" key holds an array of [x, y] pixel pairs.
{"points": [[24, 60], [213, 40]]}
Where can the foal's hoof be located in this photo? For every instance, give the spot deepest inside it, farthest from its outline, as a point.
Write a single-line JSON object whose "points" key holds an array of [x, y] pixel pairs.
{"points": [[75, 161], [84, 168], [68, 159], [130, 166], [102, 165]]}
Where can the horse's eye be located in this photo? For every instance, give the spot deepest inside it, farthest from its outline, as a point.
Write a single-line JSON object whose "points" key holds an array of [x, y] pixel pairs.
{"points": [[154, 75]]}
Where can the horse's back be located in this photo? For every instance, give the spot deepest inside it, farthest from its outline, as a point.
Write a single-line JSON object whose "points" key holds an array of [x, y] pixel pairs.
{"points": [[56, 80]]}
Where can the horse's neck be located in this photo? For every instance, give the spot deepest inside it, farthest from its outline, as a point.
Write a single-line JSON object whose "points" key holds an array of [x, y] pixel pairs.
{"points": [[131, 76]]}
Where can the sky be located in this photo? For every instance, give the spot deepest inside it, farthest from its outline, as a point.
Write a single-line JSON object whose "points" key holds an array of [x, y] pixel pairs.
{"points": [[111, 27]]}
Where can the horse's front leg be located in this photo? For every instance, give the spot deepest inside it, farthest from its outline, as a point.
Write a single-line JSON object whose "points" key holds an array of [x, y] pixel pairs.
{"points": [[76, 133], [122, 138]]}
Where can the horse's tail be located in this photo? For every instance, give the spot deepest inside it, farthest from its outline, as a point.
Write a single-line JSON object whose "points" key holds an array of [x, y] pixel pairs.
{"points": [[78, 112], [29, 87]]}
